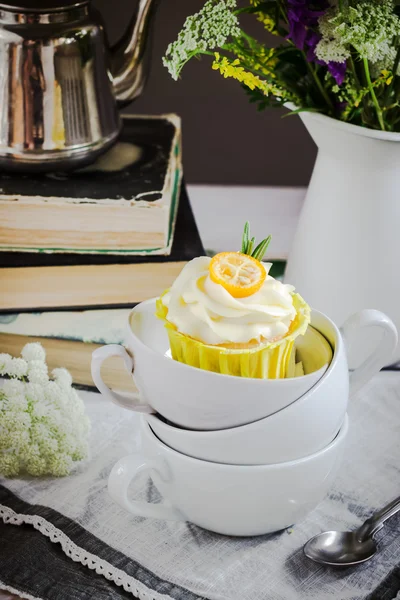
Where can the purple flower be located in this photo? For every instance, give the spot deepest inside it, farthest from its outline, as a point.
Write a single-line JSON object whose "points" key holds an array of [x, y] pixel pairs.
{"points": [[311, 41], [303, 24], [302, 18], [337, 70]]}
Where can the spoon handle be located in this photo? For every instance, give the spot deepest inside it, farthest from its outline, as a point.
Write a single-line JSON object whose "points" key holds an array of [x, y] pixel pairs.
{"points": [[376, 522]]}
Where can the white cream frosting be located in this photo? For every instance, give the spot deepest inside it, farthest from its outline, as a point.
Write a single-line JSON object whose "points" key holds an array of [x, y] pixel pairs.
{"points": [[206, 311]]}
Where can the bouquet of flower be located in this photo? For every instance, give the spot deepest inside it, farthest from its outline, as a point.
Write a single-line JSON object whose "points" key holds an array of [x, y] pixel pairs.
{"points": [[337, 57], [43, 426]]}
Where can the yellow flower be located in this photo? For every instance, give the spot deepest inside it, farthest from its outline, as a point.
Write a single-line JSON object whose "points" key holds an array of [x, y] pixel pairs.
{"points": [[265, 61], [233, 69], [387, 76], [229, 68], [268, 22]]}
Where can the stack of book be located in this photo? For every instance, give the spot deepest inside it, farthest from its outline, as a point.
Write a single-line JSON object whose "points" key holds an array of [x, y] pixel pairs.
{"points": [[79, 250]]}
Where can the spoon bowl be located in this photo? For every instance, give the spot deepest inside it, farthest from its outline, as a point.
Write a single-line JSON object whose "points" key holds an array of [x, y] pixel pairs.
{"points": [[339, 548], [346, 548]]}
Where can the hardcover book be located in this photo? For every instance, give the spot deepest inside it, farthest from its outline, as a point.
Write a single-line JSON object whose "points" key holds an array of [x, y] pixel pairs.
{"points": [[70, 336], [123, 204], [35, 281]]}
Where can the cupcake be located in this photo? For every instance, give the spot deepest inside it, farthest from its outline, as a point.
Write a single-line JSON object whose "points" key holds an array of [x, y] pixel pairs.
{"points": [[228, 315]]}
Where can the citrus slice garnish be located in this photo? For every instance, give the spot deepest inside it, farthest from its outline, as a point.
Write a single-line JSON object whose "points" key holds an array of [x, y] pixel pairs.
{"points": [[240, 274]]}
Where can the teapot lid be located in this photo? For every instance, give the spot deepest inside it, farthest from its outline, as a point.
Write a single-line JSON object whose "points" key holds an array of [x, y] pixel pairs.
{"points": [[40, 5]]}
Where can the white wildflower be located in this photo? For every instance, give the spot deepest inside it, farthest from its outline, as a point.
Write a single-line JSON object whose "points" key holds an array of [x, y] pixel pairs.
{"points": [[37, 372], [384, 64], [34, 393], [206, 30], [61, 464], [9, 465], [40, 410], [368, 27], [34, 351], [62, 377], [13, 388], [5, 362], [18, 403], [13, 367], [43, 425]]}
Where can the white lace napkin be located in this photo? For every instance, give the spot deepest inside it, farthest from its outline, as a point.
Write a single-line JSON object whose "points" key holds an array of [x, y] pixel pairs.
{"points": [[180, 561]]}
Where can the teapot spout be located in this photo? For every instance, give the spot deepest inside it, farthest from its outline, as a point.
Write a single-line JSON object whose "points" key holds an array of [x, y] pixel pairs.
{"points": [[129, 57]]}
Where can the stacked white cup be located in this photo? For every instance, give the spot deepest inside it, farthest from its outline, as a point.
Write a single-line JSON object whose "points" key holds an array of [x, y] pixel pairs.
{"points": [[237, 456]]}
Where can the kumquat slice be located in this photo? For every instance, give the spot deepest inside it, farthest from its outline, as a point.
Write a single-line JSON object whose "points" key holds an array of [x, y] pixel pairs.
{"points": [[240, 274]]}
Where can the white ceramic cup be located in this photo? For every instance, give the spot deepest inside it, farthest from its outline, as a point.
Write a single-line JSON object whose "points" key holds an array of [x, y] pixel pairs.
{"points": [[300, 429], [196, 399], [228, 499]]}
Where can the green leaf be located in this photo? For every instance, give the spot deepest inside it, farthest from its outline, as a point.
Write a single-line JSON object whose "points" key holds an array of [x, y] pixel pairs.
{"points": [[245, 238], [300, 110], [261, 249], [250, 246]]}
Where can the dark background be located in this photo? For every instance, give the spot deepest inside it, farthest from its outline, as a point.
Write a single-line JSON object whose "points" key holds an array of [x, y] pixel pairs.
{"points": [[225, 139]]}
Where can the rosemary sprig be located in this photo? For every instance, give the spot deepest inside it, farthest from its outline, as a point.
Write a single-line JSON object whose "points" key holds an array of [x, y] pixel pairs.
{"points": [[248, 244], [245, 238]]}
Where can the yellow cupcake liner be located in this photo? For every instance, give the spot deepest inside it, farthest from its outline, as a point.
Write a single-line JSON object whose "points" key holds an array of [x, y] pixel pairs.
{"points": [[267, 361]]}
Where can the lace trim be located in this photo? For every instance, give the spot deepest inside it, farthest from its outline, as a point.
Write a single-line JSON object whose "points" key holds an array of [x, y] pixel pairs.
{"points": [[8, 588], [77, 554]]}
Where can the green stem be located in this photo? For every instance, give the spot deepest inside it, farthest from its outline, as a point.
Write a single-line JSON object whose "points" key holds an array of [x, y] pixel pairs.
{"points": [[340, 5], [396, 63], [373, 95], [353, 70], [319, 84], [394, 71], [240, 11], [283, 13]]}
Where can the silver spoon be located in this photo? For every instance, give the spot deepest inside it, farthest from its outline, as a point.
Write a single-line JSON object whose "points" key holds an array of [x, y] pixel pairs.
{"points": [[346, 548]]}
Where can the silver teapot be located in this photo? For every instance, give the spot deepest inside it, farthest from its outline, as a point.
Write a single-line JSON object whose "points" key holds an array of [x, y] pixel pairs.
{"points": [[61, 84]]}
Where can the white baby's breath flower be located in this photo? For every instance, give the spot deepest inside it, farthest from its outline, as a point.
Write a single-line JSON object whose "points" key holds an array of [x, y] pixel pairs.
{"points": [[16, 439], [17, 367], [37, 466], [43, 425], [40, 410], [33, 351], [61, 463], [18, 403], [13, 388], [12, 420], [37, 372], [9, 465], [62, 377], [5, 362], [81, 451], [34, 392]]}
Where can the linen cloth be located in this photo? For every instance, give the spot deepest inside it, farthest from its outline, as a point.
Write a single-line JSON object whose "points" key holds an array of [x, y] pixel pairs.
{"points": [[157, 560]]}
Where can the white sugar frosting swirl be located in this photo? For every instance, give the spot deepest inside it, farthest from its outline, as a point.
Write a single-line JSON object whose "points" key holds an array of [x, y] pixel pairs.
{"points": [[206, 311]]}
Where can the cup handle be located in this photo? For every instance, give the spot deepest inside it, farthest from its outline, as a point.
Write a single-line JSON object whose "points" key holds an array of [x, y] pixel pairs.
{"points": [[124, 472], [133, 402], [382, 353]]}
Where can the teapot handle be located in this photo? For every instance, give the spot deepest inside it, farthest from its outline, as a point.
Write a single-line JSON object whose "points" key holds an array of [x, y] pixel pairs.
{"points": [[381, 355]]}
